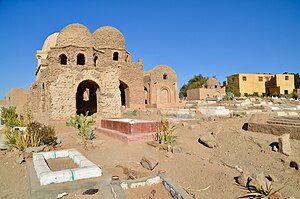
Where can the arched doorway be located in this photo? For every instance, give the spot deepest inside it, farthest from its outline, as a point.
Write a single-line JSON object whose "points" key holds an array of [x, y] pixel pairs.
{"points": [[164, 96], [146, 95], [124, 93], [86, 97]]}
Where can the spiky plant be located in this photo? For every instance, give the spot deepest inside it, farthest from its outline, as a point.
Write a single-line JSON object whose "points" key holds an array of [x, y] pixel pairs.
{"points": [[257, 191], [165, 135]]}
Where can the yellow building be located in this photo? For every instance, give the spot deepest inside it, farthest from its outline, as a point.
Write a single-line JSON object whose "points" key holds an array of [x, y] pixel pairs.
{"points": [[249, 84]]}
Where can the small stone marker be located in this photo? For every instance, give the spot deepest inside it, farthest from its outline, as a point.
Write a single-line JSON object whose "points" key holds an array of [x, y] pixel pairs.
{"points": [[148, 162], [284, 144], [208, 140]]}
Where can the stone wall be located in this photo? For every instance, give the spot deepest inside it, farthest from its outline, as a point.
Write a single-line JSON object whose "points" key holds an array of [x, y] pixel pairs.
{"points": [[17, 97]]}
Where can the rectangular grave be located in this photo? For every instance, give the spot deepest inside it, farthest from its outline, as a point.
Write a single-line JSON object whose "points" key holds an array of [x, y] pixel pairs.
{"points": [[85, 168]]}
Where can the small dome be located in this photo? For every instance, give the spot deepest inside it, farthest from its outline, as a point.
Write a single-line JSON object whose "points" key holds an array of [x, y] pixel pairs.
{"points": [[50, 42], [212, 83], [76, 35], [109, 37]]}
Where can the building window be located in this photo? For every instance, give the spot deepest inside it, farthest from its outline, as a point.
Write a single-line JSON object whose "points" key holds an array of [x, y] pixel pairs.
{"points": [[80, 59], [63, 59], [244, 78], [95, 60], [216, 86], [286, 92], [233, 79], [286, 77], [165, 76], [260, 79], [116, 56]]}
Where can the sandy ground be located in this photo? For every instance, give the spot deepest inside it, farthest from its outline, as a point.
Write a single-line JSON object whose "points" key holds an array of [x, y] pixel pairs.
{"points": [[206, 172]]}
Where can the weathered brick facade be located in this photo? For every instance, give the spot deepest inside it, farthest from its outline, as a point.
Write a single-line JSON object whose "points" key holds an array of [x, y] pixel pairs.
{"points": [[79, 71]]}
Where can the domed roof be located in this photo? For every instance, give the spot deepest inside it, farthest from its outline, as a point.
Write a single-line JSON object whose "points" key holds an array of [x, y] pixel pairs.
{"points": [[109, 37], [50, 42], [212, 83], [76, 35]]}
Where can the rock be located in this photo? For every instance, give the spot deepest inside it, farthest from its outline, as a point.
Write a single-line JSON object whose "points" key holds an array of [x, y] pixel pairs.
{"points": [[61, 195], [284, 144], [148, 162], [90, 192], [57, 140], [261, 180], [3, 146], [177, 149], [294, 164], [20, 159], [275, 146], [184, 124], [35, 149], [272, 178], [208, 140], [243, 179]]}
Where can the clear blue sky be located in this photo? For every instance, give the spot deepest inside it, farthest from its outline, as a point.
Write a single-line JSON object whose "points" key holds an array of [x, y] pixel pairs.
{"points": [[211, 37]]}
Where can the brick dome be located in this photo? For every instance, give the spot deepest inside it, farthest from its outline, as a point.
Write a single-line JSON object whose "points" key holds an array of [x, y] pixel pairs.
{"points": [[50, 42], [109, 37], [212, 83], [76, 35]]}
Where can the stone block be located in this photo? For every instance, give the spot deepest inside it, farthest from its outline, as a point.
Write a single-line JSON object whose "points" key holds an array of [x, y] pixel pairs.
{"points": [[284, 144]]}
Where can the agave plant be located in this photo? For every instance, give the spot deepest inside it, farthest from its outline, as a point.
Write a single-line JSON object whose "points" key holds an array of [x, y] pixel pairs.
{"points": [[257, 191], [90, 134], [165, 136]]}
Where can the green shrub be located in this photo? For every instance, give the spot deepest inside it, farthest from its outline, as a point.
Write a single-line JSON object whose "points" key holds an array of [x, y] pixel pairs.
{"points": [[294, 95], [82, 123], [239, 114], [10, 118], [45, 134], [35, 135]]}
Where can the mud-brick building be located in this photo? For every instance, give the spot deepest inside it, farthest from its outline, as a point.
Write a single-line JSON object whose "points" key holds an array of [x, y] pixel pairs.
{"points": [[80, 71]]}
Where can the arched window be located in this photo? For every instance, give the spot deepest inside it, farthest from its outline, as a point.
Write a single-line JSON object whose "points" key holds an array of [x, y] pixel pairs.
{"points": [[63, 59], [116, 56], [80, 59], [165, 76], [95, 60]]}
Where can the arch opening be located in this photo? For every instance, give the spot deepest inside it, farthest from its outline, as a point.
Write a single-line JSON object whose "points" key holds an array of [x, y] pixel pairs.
{"points": [[80, 59], [86, 97], [116, 56], [164, 96], [146, 95], [95, 60], [124, 90], [63, 59]]}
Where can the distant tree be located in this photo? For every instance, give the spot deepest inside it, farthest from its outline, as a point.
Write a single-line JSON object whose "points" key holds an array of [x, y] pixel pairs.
{"points": [[196, 82], [297, 80], [182, 92]]}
